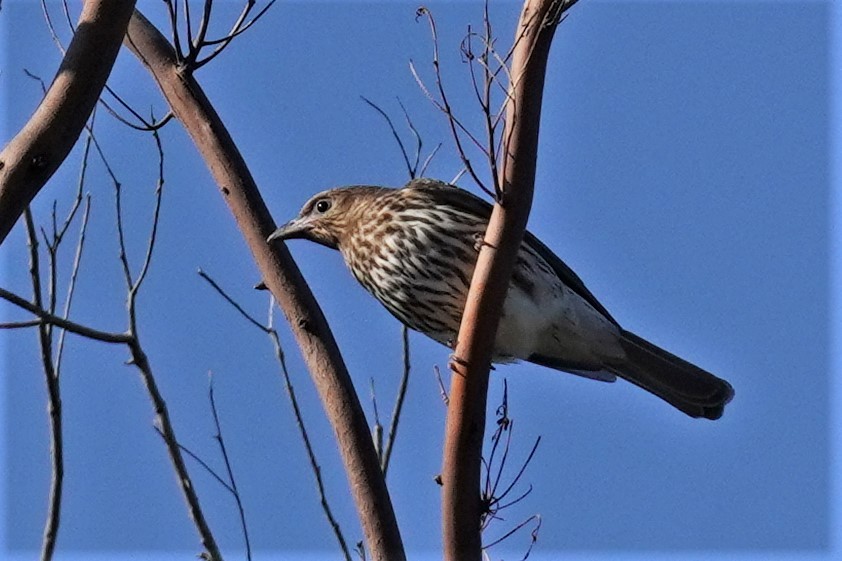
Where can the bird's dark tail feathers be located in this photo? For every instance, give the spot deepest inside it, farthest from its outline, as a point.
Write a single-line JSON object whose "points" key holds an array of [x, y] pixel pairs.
{"points": [[681, 384]]}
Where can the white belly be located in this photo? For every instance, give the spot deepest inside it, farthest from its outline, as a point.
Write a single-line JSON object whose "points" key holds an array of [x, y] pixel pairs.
{"points": [[555, 323]]}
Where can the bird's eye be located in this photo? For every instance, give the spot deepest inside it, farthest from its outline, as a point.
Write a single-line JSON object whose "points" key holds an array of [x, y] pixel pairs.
{"points": [[322, 206]]}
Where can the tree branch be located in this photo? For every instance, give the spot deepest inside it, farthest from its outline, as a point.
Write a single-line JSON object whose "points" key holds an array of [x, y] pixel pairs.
{"points": [[283, 278], [31, 158], [461, 472]]}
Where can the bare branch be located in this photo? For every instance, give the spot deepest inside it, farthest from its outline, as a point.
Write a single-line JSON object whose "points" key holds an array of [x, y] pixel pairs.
{"points": [[311, 455], [172, 9], [20, 324], [442, 389], [32, 157], [153, 234], [74, 272], [461, 502], [165, 428], [121, 238], [396, 412], [78, 329], [299, 419], [283, 278], [51, 525], [228, 469], [50, 26], [144, 126], [233, 302], [534, 534], [239, 28], [409, 167], [212, 472], [443, 104], [204, 24], [419, 143]]}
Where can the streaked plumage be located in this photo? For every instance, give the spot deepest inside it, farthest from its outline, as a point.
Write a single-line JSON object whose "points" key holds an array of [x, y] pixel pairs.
{"points": [[415, 249]]}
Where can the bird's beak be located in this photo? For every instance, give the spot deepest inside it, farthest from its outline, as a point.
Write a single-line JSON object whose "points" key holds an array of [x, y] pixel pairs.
{"points": [[292, 229]]}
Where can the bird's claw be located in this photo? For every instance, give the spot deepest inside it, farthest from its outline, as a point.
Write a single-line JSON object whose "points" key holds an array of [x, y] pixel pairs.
{"points": [[455, 361], [479, 241]]}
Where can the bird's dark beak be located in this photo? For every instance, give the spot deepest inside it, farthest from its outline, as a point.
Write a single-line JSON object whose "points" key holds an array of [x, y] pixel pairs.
{"points": [[291, 230]]}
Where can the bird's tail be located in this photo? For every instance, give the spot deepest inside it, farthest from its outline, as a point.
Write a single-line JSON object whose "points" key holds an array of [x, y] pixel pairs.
{"points": [[681, 384]]}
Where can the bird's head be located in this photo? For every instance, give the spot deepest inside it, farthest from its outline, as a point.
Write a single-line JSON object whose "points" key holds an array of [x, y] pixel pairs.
{"points": [[328, 217]]}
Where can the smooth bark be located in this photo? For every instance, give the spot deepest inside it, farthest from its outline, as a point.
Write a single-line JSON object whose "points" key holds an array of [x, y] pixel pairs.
{"points": [[36, 152], [461, 472], [281, 275]]}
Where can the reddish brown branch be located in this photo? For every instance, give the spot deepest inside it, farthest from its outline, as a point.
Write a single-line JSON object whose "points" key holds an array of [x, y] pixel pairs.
{"points": [[283, 278], [31, 158], [461, 472]]}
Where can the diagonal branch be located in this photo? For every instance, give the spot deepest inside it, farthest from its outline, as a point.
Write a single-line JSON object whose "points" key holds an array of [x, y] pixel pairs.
{"points": [[31, 158], [282, 277], [461, 472]]}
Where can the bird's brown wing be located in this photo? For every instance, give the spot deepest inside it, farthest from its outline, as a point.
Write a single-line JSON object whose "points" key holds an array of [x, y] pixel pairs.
{"points": [[468, 202]]}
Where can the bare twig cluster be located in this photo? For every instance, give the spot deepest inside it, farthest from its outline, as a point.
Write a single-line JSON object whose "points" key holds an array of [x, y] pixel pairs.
{"points": [[191, 44], [495, 498], [489, 72], [45, 311]]}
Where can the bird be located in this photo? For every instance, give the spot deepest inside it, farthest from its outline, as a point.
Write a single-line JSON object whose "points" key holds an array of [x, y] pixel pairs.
{"points": [[415, 248]]}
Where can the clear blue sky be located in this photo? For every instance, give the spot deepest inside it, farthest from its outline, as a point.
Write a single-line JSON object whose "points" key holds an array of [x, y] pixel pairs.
{"points": [[685, 173]]}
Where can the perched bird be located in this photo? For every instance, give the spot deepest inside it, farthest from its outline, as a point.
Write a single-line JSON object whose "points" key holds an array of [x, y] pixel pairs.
{"points": [[415, 248]]}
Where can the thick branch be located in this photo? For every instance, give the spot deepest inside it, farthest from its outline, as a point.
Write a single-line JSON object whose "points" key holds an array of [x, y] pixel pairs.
{"points": [[31, 158], [469, 384], [283, 278]]}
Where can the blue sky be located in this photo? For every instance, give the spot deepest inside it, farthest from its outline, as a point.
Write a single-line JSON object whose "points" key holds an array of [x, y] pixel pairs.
{"points": [[685, 173]]}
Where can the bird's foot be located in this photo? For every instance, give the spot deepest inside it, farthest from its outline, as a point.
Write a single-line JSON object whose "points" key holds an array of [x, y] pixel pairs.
{"points": [[454, 362], [479, 241]]}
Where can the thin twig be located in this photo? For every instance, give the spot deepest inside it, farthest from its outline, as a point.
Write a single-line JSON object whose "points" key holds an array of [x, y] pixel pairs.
{"points": [[228, 469], [172, 9], [145, 125], [515, 529], [51, 27], [164, 425], [409, 167], [442, 389], [521, 471], [121, 238], [238, 29], [443, 104], [317, 472], [204, 24], [233, 302], [159, 190], [51, 524], [71, 287], [212, 472], [396, 412], [299, 419], [20, 324], [377, 428]]}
